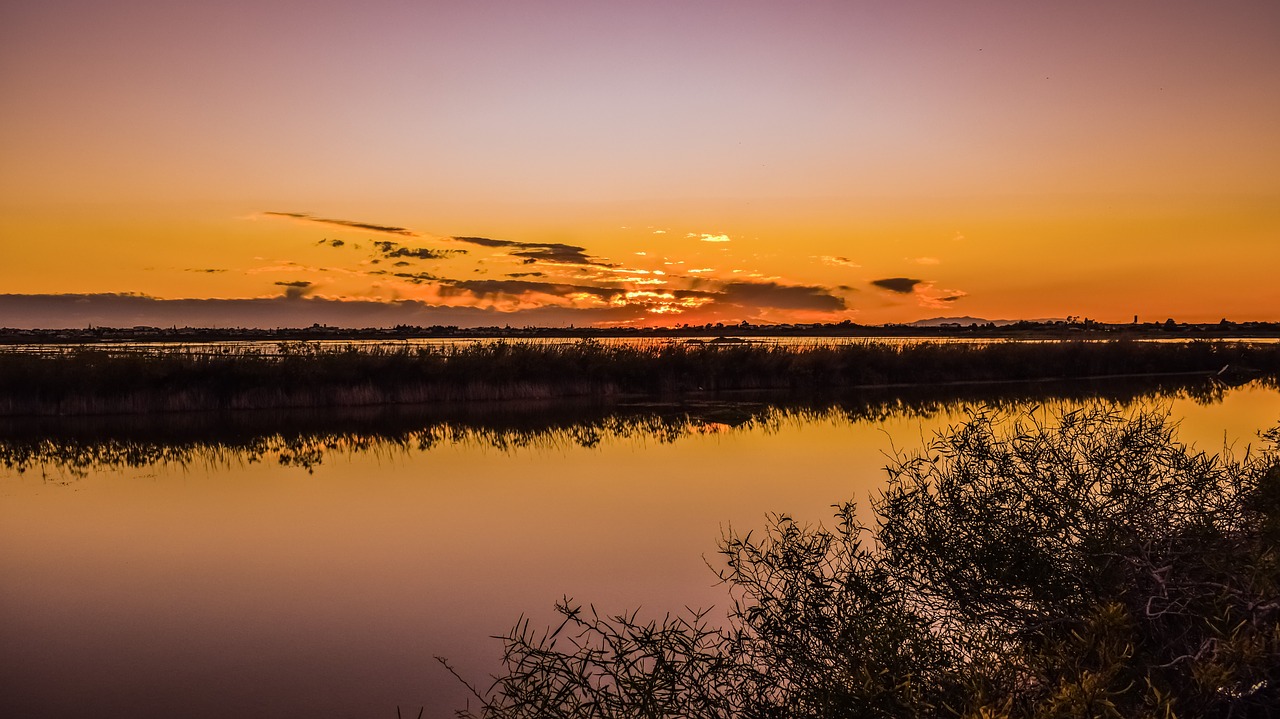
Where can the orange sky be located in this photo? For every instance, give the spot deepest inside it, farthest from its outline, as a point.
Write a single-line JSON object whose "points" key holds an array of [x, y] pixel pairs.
{"points": [[650, 163]]}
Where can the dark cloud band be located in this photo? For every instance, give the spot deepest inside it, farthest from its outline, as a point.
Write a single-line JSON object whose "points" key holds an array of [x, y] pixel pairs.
{"points": [[126, 310], [491, 288], [783, 297], [901, 285]]}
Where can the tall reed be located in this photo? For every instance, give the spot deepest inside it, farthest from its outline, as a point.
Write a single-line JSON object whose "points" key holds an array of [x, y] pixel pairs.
{"points": [[94, 380]]}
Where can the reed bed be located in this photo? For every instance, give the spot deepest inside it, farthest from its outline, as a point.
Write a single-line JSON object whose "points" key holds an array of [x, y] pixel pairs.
{"points": [[74, 446], [299, 375]]}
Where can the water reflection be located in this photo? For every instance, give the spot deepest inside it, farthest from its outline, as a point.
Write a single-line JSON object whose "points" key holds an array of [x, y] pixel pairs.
{"points": [[304, 438], [313, 563]]}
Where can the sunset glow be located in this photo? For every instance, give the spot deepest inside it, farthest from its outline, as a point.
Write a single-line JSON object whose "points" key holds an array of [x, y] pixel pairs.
{"points": [[571, 162]]}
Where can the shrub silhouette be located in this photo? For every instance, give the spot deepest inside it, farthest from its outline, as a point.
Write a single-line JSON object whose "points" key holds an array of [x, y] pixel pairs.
{"points": [[1022, 565]]}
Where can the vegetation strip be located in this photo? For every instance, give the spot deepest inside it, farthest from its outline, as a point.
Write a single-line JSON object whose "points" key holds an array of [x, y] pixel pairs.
{"points": [[299, 375], [71, 447]]}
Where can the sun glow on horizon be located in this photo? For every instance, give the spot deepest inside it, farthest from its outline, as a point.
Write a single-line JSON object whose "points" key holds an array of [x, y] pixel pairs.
{"points": [[772, 162]]}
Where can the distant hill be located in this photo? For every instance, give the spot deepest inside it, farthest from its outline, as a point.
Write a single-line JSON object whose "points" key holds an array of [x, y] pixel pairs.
{"points": [[966, 321]]}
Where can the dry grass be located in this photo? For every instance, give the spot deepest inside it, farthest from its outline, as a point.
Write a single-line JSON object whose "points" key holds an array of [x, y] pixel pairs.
{"points": [[96, 381]]}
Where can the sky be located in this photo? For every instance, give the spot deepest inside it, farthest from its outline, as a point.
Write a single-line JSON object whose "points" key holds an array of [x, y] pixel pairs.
{"points": [[631, 164]]}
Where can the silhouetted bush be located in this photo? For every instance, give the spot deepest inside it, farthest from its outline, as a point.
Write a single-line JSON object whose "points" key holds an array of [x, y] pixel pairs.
{"points": [[1087, 564]]}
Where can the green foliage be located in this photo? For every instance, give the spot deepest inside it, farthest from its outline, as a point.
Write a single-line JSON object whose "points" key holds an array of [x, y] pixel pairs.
{"points": [[1083, 565]]}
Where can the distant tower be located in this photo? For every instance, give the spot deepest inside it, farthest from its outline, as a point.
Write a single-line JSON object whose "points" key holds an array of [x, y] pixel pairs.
{"points": [[1135, 319]]}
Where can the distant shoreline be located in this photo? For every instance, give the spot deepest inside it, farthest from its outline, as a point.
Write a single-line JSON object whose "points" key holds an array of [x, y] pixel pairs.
{"points": [[91, 380], [1086, 329]]}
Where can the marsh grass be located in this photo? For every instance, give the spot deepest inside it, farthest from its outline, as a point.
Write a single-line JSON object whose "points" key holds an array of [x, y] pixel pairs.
{"points": [[92, 380], [73, 446]]}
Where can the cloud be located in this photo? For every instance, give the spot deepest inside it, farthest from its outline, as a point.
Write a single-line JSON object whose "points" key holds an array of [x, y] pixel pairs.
{"points": [[126, 310], [901, 285], [526, 274], [388, 229], [778, 296], [559, 255], [550, 252], [391, 250], [486, 242], [296, 289], [838, 261], [927, 261], [714, 238], [417, 278], [531, 252], [331, 243], [490, 288], [929, 299], [206, 270], [930, 296]]}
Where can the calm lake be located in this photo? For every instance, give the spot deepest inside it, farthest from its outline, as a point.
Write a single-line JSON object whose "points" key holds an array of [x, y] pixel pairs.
{"points": [[296, 565]]}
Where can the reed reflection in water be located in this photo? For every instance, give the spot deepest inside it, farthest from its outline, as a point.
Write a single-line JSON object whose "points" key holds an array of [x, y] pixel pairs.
{"points": [[313, 565]]}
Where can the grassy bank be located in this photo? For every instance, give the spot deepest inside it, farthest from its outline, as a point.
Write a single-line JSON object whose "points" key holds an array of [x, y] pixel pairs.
{"points": [[73, 446], [97, 381]]}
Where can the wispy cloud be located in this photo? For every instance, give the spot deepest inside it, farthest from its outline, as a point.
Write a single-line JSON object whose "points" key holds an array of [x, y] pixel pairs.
{"points": [[206, 270], [391, 250], [901, 285], [352, 224], [927, 261], [929, 297], [549, 252], [417, 278], [568, 276], [530, 252], [485, 241], [706, 237], [836, 261]]}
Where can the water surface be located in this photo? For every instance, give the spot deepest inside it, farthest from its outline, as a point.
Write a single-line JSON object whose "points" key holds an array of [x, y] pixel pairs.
{"points": [[313, 566]]}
